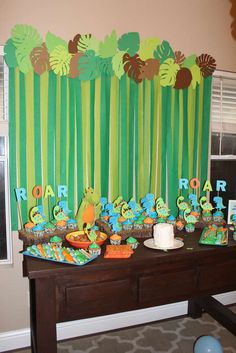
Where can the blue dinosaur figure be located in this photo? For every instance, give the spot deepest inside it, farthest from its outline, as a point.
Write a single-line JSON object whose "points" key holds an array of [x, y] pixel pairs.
{"points": [[103, 202], [135, 207], [113, 221], [219, 203], [193, 201], [109, 208]]}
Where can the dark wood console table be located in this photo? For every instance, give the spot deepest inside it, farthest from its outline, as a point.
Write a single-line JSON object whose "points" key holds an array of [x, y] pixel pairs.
{"points": [[150, 277]]}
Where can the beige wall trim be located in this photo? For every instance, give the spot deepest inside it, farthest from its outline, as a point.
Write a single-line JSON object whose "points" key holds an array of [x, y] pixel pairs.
{"points": [[21, 338]]}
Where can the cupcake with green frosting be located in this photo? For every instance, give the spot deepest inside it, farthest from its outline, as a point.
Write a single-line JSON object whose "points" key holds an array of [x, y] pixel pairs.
{"points": [[189, 227], [138, 224], [56, 240], [94, 249], [206, 216], [132, 242], [49, 227]]}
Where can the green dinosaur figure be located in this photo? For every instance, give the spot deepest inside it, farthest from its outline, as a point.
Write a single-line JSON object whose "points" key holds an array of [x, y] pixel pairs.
{"points": [[89, 209]]}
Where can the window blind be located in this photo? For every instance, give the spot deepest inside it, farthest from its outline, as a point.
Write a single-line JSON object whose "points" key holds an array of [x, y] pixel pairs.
{"points": [[223, 108]]}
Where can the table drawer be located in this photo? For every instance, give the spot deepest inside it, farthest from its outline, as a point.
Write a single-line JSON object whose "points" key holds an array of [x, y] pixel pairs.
{"points": [[100, 298], [160, 288]]}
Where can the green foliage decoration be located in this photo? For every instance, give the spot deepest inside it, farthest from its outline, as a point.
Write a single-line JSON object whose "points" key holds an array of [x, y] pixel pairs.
{"points": [[88, 57]]}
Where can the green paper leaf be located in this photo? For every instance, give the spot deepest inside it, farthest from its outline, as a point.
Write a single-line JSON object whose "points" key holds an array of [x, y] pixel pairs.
{"points": [[196, 75], [147, 47], [108, 48], [129, 43], [105, 66], [89, 66], [168, 71], [163, 52], [10, 54], [190, 61], [88, 42], [60, 60], [53, 41], [25, 38], [117, 64]]}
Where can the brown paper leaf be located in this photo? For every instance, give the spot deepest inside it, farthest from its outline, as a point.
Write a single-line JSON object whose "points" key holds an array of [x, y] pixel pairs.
{"points": [[72, 44], [179, 57], [40, 59], [74, 64], [149, 69], [133, 66], [183, 78], [207, 64]]}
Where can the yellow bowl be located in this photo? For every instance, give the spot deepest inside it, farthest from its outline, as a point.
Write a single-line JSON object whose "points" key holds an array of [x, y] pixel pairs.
{"points": [[70, 237]]}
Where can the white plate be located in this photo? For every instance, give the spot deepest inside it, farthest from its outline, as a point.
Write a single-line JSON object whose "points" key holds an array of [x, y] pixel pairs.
{"points": [[149, 243]]}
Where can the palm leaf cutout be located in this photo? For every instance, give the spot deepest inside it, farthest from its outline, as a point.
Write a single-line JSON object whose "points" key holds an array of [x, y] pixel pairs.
{"points": [[89, 66], [190, 61], [168, 71], [108, 48], [133, 66], [40, 59], [207, 64], [149, 69], [25, 38], [74, 71], [10, 54], [72, 45], [60, 60], [117, 64], [88, 42], [183, 78], [53, 41], [163, 52], [196, 75], [129, 42], [147, 47], [105, 66], [179, 57]]}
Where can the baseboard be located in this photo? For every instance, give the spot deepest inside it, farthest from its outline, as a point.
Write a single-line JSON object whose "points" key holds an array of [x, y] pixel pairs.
{"points": [[21, 338]]}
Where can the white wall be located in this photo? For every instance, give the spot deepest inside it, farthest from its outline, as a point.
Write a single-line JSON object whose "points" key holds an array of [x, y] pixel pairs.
{"points": [[192, 26]]}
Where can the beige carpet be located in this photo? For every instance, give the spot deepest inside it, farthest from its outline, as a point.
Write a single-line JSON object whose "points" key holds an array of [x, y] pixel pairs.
{"points": [[170, 336]]}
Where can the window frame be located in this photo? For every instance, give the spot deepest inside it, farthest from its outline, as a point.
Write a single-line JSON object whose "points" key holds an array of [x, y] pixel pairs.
{"points": [[229, 75], [4, 131]]}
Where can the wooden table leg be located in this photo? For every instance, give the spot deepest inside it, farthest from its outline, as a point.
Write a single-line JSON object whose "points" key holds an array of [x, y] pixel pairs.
{"points": [[43, 316]]}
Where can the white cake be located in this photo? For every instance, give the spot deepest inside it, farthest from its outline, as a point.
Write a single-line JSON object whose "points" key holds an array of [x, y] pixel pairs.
{"points": [[163, 234]]}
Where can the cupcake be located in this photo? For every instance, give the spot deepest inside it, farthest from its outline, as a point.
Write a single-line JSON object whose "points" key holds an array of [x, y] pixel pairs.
{"points": [[127, 225], [49, 227], [189, 227], [171, 220], [179, 224], [38, 230], [148, 222], [233, 219], [115, 239], [181, 214], [206, 216], [138, 224], [94, 249], [61, 225], [72, 223], [161, 220], [56, 240], [218, 216], [29, 227], [132, 242]]}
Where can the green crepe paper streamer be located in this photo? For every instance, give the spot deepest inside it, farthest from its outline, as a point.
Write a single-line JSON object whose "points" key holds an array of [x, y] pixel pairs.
{"points": [[22, 145], [154, 137], [37, 131], [57, 135], [92, 102], [163, 52], [191, 124], [200, 141], [131, 113], [189, 61], [10, 54], [206, 127], [185, 169], [79, 136], [63, 130], [164, 102], [89, 66], [139, 146], [117, 64], [109, 46], [152, 99], [71, 157], [53, 41], [51, 132], [123, 143], [176, 134], [105, 66], [196, 75], [146, 134], [12, 148], [97, 141], [195, 136], [129, 42], [147, 47], [134, 94]]}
